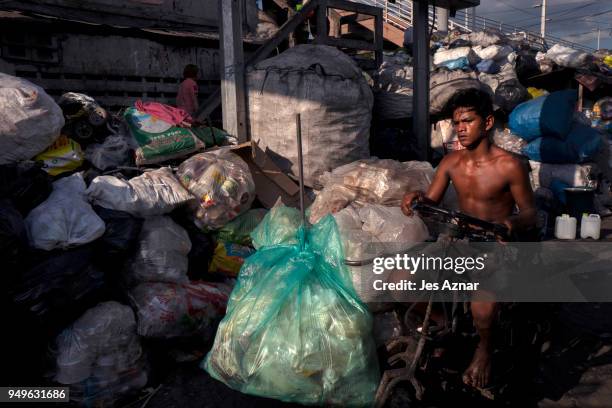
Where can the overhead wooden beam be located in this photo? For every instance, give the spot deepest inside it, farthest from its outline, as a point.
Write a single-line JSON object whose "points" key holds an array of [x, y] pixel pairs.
{"points": [[137, 16], [351, 6], [347, 43]]}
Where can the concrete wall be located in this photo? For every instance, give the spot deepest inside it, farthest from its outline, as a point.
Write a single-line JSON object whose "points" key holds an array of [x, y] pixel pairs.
{"points": [[113, 69]]}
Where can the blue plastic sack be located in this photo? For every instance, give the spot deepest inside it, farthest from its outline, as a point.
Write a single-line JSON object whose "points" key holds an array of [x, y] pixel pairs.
{"points": [[295, 329], [581, 145], [549, 115], [458, 63], [558, 188], [488, 66]]}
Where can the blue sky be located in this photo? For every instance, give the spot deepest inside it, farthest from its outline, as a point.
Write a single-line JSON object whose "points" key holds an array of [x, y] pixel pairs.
{"points": [[572, 20]]}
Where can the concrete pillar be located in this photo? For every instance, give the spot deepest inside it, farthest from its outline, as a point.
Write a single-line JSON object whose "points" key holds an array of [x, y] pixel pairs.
{"points": [[442, 19]]}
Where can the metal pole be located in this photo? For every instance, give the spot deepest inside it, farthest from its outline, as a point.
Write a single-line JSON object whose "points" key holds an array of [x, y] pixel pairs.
{"points": [[298, 126], [472, 19], [598, 36], [543, 20]]}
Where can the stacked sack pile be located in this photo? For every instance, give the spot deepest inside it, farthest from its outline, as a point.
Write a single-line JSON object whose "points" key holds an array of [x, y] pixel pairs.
{"points": [[565, 148], [126, 230], [115, 229]]}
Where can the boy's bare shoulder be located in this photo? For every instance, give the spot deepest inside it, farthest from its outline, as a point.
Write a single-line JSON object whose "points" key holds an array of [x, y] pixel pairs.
{"points": [[452, 158], [509, 162]]}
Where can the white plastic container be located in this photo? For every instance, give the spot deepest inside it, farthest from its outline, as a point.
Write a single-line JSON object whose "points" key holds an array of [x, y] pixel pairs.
{"points": [[590, 226], [565, 227]]}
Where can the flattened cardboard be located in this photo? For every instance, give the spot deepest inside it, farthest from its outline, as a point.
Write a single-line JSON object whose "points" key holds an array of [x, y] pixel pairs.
{"points": [[270, 182]]}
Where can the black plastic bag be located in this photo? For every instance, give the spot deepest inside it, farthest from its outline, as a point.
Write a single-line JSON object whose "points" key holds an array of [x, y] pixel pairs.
{"points": [[526, 66], [13, 236], [509, 94], [26, 184], [121, 234], [393, 143], [202, 248], [460, 42], [57, 279]]}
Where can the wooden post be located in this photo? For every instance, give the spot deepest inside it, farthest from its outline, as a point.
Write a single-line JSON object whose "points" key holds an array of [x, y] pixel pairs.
{"points": [[378, 38], [233, 103], [322, 28], [291, 38]]}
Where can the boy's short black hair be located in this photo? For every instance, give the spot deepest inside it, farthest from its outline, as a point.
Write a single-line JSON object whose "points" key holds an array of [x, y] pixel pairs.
{"points": [[190, 71], [475, 99]]}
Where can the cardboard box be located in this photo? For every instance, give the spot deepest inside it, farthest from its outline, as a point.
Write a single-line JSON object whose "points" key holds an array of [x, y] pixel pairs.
{"points": [[271, 183]]}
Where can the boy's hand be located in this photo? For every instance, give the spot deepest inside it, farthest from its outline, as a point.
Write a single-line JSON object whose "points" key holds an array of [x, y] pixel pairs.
{"points": [[408, 199], [510, 225]]}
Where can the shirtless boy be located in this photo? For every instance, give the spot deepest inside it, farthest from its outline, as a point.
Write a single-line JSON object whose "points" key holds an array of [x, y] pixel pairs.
{"points": [[489, 182]]}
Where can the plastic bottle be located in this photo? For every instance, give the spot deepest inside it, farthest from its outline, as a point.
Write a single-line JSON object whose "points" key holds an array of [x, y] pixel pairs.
{"points": [[565, 227], [590, 226]]}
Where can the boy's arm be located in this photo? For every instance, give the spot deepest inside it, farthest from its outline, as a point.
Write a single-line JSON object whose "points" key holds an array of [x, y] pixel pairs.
{"points": [[436, 189], [520, 187]]}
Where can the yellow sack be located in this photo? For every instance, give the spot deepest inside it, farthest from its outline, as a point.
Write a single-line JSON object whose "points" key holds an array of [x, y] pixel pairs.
{"points": [[536, 93], [63, 155], [608, 60], [228, 258]]}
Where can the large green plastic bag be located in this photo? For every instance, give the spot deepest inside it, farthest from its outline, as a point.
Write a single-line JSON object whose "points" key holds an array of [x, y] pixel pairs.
{"points": [[295, 329]]}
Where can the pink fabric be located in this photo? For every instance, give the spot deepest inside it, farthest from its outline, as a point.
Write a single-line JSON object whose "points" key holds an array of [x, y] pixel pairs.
{"points": [[167, 113], [187, 97]]}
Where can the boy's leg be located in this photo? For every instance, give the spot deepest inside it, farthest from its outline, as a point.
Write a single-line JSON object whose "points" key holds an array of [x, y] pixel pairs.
{"points": [[478, 373]]}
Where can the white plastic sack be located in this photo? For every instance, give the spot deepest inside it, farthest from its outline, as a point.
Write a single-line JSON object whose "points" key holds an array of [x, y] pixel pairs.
{"points": [[371, 231], [444, 138], [113, 152], [65, 219], [443, 55], [30, 120], [575, 175], [162, 252], [330, 200], [155, 192], [100, 356], [508, 141], [372, 181], [482, 38], [167, 310], [506, 73], [391, 226], [327, 88], [106, 330], [566, 57], [222, 183], [393, 90], [359, 245], [493, 52], [444, 84]]}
